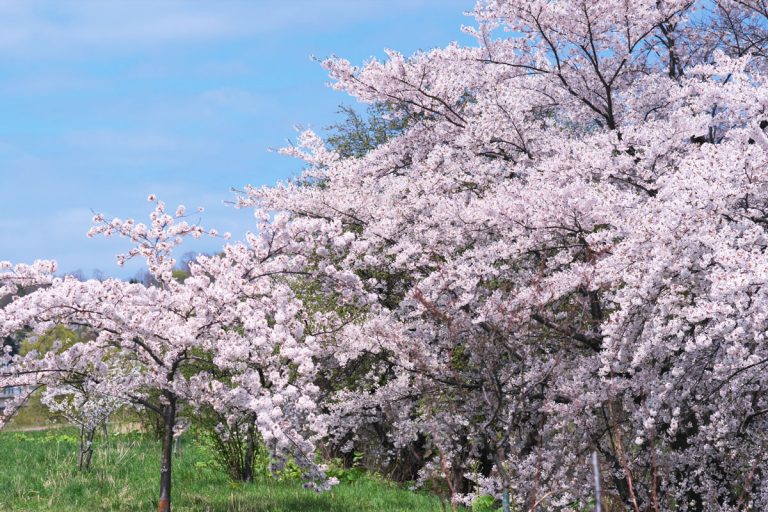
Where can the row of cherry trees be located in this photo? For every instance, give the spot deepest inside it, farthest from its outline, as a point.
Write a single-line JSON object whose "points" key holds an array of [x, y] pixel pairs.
{"points": [[560, 250]]}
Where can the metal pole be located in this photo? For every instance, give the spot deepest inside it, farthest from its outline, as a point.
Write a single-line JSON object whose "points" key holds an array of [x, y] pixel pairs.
{"points": [[598, 498]]}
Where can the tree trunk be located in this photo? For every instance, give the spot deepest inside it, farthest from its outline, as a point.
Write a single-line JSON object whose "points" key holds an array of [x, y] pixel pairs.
{"points": [[169, 421], [249, 449], [82, 448], [88, 449]]}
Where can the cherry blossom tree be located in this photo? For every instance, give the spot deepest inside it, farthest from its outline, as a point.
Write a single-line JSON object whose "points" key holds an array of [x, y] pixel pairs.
{"points": [[84, 407], [231, 336], [566, 251]]}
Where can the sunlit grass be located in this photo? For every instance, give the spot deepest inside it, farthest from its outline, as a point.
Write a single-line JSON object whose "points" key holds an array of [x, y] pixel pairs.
{"points": [[39, 472]]}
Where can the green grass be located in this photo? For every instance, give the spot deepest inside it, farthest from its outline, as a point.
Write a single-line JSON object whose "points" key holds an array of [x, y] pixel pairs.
{"points": [[38, 472]]}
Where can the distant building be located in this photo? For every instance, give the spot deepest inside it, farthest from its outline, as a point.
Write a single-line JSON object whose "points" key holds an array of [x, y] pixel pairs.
{"points": [[7, 395]]}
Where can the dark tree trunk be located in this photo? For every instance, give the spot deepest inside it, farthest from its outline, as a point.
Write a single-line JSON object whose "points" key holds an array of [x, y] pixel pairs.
{"points": [[249, 448], [169, 421], [88, 448], [82, 448]]}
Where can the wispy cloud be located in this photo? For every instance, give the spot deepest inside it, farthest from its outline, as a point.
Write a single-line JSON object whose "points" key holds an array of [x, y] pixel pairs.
{"points": [[112, 140], [69, 27], [106, 101], [233, 98]]}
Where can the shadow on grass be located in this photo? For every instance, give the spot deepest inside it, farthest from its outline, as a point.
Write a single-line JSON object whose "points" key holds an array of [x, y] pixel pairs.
{"points": [[270, 497], [367, 495]]}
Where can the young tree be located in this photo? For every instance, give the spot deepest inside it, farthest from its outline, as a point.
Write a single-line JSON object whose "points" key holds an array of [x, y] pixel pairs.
{"points": [[233, 439], [79, 403]]}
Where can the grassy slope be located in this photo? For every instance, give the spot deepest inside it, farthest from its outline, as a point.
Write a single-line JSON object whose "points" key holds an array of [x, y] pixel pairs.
{"points": [[38, 472]]}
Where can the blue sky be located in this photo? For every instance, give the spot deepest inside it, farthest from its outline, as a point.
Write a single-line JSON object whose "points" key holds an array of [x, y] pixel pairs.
{"points": [[105, 102]]}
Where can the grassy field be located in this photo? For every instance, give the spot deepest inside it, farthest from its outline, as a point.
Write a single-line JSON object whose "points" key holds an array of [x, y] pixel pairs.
{"points": [[38, 472]]}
